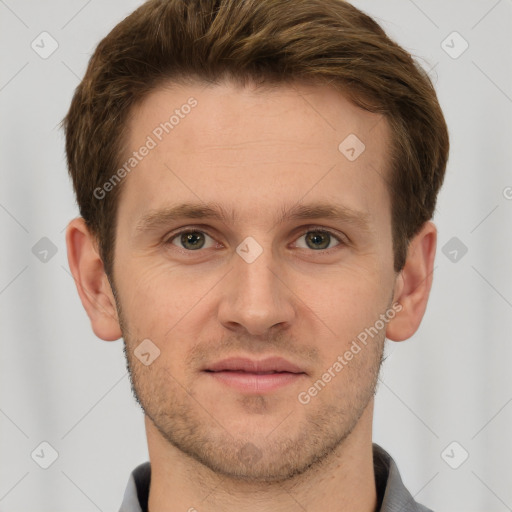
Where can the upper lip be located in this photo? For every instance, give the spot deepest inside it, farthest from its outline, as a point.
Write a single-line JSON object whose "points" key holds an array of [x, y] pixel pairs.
{"points": [[270, 364]]}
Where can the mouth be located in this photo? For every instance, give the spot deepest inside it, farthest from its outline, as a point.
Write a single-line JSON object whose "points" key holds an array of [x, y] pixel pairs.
{"points": [[253, 376], [263, 366], [243, 371]]}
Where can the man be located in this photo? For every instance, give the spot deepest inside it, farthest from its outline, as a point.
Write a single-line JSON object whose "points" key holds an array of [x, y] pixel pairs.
{"points": [[256, 181]]}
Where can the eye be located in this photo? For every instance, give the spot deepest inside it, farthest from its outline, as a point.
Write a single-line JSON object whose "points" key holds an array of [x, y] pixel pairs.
{"points": [[318, 239], [194, 240], [191, 240]]}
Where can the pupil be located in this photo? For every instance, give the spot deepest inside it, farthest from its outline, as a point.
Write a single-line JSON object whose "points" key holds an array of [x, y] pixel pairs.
{"points": [[193, 240]]}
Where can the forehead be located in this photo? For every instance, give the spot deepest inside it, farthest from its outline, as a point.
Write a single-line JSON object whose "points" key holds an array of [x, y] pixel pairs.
{"points": [[253, 150]]}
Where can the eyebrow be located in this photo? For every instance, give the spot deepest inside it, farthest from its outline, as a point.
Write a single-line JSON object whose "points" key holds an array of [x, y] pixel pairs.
{"points": [[159, 218]]}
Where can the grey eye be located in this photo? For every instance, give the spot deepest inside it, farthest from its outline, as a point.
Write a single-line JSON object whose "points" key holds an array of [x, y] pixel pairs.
{"points": [[317, 240], [192, 240]]}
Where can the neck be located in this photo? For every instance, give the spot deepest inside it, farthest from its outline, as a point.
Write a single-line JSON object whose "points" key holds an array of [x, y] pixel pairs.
{"points": [[343, 481]]}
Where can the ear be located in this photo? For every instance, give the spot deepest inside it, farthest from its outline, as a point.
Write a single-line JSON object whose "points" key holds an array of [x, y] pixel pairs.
{"points": [[91, 281], [413, 284]]}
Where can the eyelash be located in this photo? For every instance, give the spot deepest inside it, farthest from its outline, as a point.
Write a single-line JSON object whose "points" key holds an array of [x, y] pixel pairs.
{"points": [[311, 229]]}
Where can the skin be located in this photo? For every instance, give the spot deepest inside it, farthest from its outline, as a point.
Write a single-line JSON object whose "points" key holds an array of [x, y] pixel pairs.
{"points": [[255, 153]]}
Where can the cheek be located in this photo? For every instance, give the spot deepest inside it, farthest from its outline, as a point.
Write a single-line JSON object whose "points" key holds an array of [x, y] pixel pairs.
{"points": [[166, 304], [151, 282], [163, 300], [344, 305], [148, 299]]}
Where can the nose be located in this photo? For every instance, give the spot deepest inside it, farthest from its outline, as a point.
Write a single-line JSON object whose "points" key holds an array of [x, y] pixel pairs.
{"points": [[256, 296]]}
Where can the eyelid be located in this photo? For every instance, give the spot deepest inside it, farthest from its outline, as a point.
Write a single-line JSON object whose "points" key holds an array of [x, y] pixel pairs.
{"points": [[342, 239], [341, 242], [169, 238]]}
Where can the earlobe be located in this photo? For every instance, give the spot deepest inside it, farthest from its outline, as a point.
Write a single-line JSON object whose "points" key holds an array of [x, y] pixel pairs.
{"points": [[91, 281], [413, 284]]}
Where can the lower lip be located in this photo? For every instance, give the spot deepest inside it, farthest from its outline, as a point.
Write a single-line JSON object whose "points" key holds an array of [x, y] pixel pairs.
{"points": [[256, 383]]}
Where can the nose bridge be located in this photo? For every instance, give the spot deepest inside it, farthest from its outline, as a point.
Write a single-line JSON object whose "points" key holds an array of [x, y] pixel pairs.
{"points": [[257, 298], [255, 273]]}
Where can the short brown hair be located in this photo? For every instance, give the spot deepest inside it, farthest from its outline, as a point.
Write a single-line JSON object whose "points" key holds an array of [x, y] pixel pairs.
{"points": [[264, 42]]}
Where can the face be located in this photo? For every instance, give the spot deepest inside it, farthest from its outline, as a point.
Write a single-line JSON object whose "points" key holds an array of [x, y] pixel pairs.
{"points": [[246, 232]]}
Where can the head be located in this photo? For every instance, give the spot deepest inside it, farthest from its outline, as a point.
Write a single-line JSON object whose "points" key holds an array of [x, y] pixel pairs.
{"points": [[300, 125]]}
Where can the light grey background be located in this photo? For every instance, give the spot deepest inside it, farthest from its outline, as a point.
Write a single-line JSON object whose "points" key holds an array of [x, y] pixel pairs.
{"points": [[450, 382]]}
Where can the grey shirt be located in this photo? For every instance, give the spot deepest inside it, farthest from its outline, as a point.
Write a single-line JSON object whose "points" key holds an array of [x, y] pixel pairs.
{"points": [[392, 496]]}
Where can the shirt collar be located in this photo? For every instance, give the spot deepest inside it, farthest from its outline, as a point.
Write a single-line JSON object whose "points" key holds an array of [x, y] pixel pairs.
{"points": [[392, 494], [395, 496]]}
